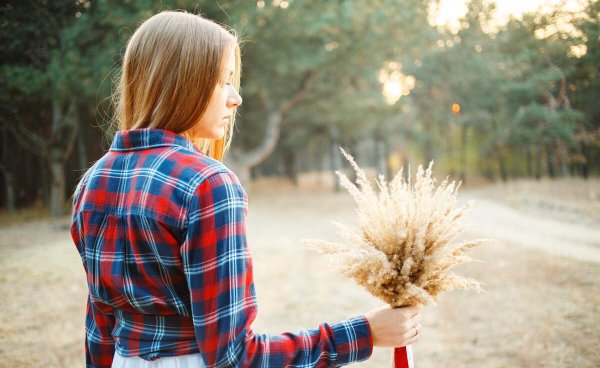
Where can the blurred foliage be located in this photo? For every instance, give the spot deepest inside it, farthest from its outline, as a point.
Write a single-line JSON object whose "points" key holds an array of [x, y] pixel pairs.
{"points": [[525, 96]]}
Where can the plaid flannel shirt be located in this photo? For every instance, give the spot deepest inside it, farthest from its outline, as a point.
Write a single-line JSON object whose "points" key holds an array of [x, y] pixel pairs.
{"points": [[160, 228]]}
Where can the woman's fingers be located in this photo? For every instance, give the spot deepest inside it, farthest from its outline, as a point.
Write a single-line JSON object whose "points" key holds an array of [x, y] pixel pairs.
{"points": [[412, 340], [409, 312], [395, 327]]}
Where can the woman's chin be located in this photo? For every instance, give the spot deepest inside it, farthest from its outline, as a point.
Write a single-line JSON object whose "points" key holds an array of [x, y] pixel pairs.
{"points": [[219, 133], [214, 134]]}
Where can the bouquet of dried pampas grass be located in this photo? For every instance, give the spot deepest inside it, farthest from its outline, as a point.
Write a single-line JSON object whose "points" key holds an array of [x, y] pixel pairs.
{"points": [[401, 249]]}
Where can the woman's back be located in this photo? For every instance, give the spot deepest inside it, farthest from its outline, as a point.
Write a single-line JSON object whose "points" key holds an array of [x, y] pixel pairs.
{"points": [[129, 223], [161, 231]]}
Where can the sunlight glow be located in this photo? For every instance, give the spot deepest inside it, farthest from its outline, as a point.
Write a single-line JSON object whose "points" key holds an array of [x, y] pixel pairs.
{"points": [[448, 12], [331, 46], [578, 51], [394, 83], [283, 4]]}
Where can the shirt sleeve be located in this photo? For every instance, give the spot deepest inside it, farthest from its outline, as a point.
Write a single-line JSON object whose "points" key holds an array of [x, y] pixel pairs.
{"points": [[99, 343], [218, 269]]}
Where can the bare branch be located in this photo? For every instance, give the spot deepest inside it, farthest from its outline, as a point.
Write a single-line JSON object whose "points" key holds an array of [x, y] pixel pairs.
{"points": [[563, 93], [307, 83], [71, 142], [29, 140]]}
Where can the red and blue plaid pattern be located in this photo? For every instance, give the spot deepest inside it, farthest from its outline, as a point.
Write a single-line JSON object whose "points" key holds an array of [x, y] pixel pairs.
{"points": [[161, 231]]}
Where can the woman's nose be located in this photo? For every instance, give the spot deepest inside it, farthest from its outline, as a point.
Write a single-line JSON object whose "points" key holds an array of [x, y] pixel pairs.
{"points": [[234, 99]]}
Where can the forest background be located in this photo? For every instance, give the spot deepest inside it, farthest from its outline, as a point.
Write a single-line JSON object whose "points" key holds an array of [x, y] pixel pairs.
{"points": [[506, 101], [485, 99]]}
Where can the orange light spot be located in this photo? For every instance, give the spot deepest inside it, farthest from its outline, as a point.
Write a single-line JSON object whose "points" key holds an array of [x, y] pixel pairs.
{"points": [[455, 109]]}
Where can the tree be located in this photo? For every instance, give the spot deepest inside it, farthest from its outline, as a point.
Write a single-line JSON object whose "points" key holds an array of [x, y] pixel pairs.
{"points": [[584, 85], [56, 56], [325, 76]]}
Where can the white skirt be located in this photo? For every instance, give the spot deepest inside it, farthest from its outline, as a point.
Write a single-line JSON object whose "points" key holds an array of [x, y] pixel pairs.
{"points": [[180, 361]]}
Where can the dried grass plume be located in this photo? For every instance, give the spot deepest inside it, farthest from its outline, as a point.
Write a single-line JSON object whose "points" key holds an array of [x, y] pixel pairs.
{"points": [[401, 249]]}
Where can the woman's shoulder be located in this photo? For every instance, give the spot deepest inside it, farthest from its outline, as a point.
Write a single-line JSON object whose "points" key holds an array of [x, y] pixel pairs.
{"points": [[181, 168], [215, 181], [201, 167], [199, 173]]}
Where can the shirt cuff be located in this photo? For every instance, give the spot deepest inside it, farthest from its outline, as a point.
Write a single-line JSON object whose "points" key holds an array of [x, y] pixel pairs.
{"points": [[353, 340]]}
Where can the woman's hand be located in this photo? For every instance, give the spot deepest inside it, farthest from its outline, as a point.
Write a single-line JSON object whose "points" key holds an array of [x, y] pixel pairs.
{"points": [[394, 327]]}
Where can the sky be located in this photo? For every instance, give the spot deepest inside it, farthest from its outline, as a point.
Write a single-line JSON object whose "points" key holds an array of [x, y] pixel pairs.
{"points": [[452, 10]]}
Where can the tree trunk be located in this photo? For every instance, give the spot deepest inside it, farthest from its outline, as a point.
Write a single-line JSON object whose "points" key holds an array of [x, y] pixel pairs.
{"points": [[244, 161], [463, 153], [325, 159], [514, 163], [584, 166], [502, 166], [64, 134], [7, 166], [9, 180], [44, 181], [529, 162], [290, 165], [451, 150], [538, 161], [241, 162], [82, 155], [549, 161], [58, 182], [572, 169], [561, 153], [497, 145]]}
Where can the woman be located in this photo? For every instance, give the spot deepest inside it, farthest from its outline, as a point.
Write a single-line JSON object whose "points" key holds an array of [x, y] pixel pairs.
{"points": [[159, 223]]}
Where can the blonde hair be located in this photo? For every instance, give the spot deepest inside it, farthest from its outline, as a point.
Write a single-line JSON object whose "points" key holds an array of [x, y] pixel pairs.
{"points": [[172, 64]]}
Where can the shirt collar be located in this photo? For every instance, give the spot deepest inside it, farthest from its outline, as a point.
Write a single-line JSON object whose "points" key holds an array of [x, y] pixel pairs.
{"points": [[139, 139]]}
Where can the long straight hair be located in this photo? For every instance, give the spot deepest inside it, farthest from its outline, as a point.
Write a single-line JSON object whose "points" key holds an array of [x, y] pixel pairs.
{"points": [[172, 64]]}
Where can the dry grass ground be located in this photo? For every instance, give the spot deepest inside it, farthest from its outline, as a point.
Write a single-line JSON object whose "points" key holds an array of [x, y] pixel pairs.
{"points": [[574, 200], [540, 309]]}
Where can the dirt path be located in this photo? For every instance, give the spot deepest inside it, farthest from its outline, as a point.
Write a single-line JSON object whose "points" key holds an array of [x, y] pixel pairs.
{"points": [[541, 309], [496, 220]]}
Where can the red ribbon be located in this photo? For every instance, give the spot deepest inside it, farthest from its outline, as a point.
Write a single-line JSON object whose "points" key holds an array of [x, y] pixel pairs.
{"points": [[401, 358]]}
